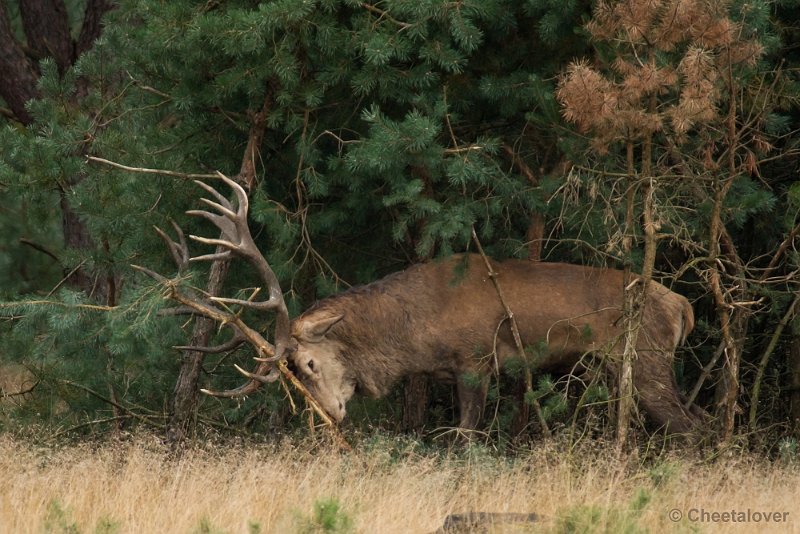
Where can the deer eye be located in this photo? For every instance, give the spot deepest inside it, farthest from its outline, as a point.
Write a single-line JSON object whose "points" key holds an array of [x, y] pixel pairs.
{"points": [[311, 365]]}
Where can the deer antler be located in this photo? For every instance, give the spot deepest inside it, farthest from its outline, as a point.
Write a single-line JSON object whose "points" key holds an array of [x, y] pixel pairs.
{"points": [[236, 240]]}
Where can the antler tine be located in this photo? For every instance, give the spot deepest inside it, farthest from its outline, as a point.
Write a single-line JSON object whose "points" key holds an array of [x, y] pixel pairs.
{"points": [[232, 223], [226, 211], [256, 379], [226, 226], [210, 241], [226, 255], [234, 342], [236, 239], [179, 249], [267, 378], [152, 274], [216, 194], [241, 194]]}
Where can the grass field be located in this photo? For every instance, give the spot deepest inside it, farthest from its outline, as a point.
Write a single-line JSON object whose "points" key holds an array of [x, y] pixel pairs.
{"points": [[385, 486]]}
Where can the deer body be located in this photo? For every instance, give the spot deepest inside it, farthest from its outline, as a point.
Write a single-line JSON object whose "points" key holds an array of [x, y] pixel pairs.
{"points": [[445, 319]]}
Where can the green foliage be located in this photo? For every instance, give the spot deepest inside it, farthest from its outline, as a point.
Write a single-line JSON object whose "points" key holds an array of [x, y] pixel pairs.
{"points": [[553, 402], [586, 519], [207, 527], [57, 520], [393, 129], [538, 351], [107, 526], [586, 333], [327, 516], [596, 392], [515, 367], [471, 379], [661, 473], [788, 451]]}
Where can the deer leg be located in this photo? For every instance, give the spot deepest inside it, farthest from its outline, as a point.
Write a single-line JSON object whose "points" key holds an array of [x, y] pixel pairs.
{"points": [[658, 394], [471, 400]]}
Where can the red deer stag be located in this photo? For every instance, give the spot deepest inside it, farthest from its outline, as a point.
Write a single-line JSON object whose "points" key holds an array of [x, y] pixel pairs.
{"points": [[444, 318]]}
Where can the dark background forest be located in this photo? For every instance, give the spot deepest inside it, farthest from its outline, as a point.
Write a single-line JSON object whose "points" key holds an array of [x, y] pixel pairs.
{"points": [[661, 136]]}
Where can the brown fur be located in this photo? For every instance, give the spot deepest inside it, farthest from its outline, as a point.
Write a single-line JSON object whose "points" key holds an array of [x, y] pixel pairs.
{"points": [[442, 318]]}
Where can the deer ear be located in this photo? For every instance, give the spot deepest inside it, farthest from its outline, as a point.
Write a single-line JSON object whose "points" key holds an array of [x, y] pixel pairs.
{"points": [[315, 330]]}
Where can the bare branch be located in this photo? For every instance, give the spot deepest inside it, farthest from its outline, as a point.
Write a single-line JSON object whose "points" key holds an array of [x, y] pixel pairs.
{"points": [[385, 15], [5, 395], [514, 330], [41, 248], [144, 170]]}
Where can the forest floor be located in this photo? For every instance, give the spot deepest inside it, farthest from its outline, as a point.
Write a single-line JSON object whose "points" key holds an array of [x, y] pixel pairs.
{"points": [[387, 485]]}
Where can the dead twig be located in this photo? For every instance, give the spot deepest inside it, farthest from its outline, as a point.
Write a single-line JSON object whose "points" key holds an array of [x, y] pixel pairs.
{"points": [[144, 170], [514, 331]]}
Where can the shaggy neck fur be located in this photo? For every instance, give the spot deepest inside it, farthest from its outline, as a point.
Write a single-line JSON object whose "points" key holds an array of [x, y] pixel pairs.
{"points": [[371, 334]]}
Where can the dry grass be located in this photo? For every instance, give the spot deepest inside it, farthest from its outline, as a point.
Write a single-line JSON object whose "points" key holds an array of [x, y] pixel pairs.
{"points": [[385, 487]]}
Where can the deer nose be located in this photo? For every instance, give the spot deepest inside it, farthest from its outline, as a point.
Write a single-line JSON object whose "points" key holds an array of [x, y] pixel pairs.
{"points": [[340, 414]]}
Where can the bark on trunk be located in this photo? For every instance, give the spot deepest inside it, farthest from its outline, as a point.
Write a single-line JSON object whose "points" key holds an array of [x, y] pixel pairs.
{"points": [[46, 27], [182, 421], [17, 75], [92, 27], [793, 368]]}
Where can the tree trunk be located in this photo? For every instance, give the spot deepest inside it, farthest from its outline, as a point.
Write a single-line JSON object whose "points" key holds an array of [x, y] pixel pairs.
{"points": [[183, 411], [733, 324], [91, 27], [630, 317], [17, 76], [793, 369], [46, 26]]}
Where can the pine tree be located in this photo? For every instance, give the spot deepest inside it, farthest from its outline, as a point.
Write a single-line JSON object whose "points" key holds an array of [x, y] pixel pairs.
{"points": [[392, 129], [387, 138]]}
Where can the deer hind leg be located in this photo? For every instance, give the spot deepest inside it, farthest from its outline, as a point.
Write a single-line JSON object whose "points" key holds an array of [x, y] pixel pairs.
{"points": [[658, 394], [472, 390]]}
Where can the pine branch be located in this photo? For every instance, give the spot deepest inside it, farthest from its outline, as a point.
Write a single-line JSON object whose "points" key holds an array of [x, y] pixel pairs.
{"points": [[93, 307]]}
